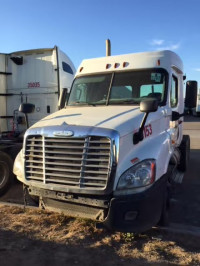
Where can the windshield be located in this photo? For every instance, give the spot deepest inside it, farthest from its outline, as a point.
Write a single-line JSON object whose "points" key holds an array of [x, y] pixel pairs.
{"points": [[119, 88]]}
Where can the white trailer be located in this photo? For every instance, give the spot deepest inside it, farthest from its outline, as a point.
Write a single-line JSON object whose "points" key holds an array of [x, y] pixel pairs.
{"points": [[33, 76], [117, 147]]}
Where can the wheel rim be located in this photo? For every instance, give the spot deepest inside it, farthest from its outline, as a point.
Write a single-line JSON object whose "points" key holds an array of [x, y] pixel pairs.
{"points": [[3, 172]]}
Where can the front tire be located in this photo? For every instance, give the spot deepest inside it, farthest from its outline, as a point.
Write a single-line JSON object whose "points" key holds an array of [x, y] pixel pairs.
{"points": [[164, 218], [6, 174]]}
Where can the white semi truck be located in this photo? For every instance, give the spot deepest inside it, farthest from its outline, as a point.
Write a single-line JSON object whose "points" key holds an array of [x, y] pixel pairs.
{"points": [[33, 76], [117, 146]]}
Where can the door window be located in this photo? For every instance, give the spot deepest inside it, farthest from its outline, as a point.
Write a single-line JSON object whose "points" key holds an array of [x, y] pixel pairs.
{"points": [[174, 92]]}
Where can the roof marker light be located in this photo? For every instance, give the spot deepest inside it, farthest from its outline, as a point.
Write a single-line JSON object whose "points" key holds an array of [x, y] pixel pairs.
{"points": [[81, 69], [108, 66], [158, 62], [116, 65], [125, 64]]}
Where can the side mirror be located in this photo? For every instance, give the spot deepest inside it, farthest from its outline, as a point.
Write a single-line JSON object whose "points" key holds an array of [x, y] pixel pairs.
{"points": [[191, 94], [149, 105], [26, 108], [63, 98]]}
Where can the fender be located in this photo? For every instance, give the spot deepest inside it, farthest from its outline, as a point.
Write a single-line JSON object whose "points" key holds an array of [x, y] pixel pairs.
{"points": [[156, 147]]}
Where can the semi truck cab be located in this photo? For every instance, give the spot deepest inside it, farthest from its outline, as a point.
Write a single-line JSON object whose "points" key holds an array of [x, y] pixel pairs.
{"points": [[117, 145]]}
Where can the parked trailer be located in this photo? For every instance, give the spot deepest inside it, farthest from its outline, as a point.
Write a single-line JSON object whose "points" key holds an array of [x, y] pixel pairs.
{"points": [[116, 149], [33, 76]]}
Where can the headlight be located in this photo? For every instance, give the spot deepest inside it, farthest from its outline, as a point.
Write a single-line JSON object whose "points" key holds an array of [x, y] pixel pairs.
{"points": [[139, 175]]}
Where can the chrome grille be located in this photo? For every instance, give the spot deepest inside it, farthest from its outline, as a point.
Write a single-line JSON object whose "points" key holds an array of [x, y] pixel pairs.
{"points": [[76, 162]]}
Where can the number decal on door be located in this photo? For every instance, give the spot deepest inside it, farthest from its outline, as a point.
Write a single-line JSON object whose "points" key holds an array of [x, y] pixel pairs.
{"points": [[148, 131]]}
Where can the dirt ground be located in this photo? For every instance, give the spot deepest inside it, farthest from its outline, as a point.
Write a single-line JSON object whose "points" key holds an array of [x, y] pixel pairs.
{"points": [[36, 237]]}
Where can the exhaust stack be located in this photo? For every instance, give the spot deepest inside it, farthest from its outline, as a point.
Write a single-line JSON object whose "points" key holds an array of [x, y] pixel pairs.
{"points": [[108, 48]]}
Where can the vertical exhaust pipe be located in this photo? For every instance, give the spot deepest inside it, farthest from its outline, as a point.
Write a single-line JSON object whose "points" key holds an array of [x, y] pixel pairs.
{"points": [[108, 48]]}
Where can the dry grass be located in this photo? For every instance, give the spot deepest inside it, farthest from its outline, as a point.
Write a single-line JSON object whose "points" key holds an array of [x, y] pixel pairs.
{"points": [[154, 247]]}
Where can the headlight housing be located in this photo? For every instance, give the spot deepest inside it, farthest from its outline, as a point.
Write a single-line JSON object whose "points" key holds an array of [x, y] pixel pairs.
{"points": [[139, 175]]}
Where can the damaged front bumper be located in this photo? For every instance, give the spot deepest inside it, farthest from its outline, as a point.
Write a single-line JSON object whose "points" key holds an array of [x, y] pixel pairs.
{"points": [[127, 213]]}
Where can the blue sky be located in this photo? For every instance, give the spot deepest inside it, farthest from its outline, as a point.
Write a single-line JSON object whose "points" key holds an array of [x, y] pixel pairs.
{"points": [[80, 27]]}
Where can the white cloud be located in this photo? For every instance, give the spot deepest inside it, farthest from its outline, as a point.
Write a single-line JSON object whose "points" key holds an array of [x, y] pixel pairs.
{"points": [[170, 47], [160, 44], [157, 42], [197, 69], [175, 46]]}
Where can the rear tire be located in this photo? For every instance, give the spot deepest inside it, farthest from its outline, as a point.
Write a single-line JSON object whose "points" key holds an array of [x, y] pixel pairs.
{"points": [[6, 174]]}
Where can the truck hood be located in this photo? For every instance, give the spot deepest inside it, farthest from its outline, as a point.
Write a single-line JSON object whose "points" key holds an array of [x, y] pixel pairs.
{"points": [[124, 119]]}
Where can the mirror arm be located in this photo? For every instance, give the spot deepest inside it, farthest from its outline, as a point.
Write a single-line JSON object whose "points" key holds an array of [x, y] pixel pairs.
{"points": [[138, 136], [26, 120]]}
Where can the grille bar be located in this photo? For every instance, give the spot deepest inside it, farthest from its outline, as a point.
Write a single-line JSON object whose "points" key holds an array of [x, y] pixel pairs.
{"points": [[39, 178], [74, 162], [64, 158], [34, 164]]}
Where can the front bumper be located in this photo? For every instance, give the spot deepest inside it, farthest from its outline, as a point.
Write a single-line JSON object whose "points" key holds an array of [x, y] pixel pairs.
{"points": [[138, 212], [131, 213]]}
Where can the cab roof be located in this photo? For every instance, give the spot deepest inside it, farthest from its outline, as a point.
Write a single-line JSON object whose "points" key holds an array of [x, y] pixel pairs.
{"points": [[159, 59]]}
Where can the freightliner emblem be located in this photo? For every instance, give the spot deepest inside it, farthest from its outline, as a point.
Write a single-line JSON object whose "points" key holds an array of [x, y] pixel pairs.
{"points": [[64, 133]]}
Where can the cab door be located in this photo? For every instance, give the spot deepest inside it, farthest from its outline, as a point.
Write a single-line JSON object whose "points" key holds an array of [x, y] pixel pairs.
{"points": [[177, 109]]}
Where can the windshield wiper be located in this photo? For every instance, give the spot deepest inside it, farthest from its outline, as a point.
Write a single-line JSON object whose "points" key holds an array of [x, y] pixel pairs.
{"points": [[82, 103], [130, 101]]}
